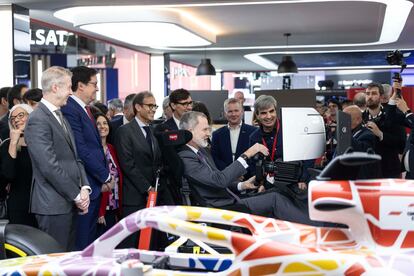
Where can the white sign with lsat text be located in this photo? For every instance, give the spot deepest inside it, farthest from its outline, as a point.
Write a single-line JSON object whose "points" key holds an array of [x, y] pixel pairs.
{"points": [[49, 37]]}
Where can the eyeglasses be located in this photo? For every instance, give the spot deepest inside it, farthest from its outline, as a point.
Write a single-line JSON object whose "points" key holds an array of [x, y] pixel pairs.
{"points": [[18, 116], [93, 83], [151, 106], [186, 104]]}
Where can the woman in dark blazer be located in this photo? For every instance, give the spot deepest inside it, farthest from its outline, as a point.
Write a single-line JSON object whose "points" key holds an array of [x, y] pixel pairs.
{"points": [[16, 167]]}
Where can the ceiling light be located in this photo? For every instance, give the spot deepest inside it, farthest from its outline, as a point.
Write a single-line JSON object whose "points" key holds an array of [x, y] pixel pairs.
{"points": [[394, 20], [141, 26], [147, 33], [287, 65], [206, 68]]}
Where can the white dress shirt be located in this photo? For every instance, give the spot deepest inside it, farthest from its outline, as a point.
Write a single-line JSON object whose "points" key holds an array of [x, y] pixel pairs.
{"points": [[234, 138]]}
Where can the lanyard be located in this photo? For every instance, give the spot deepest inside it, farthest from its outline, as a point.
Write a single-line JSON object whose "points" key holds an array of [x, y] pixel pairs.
{"points": [[272, 157]]}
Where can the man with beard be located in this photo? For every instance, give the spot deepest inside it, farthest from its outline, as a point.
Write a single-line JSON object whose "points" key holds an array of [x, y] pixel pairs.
{"points": [[216, 188], [391, 136]]}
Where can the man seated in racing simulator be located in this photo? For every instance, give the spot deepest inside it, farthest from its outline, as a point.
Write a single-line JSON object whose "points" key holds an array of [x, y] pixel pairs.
{"points": [[215, 186]]}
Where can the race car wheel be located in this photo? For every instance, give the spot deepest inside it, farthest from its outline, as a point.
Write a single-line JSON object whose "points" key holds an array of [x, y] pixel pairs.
{"points": [[22, 240]]}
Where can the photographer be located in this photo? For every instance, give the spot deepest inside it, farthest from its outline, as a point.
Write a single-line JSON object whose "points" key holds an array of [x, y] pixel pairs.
{"points": [[390, 135], [270, 135], [214, 187], [403, 116]]}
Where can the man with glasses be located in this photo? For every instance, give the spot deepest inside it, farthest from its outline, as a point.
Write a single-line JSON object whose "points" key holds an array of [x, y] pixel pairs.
{"points": [[180, 102], [88, 143], [139, 157]]}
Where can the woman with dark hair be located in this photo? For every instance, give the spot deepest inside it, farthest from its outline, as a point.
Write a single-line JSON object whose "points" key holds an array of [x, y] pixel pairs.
{"points": [[110, 202], [16, 167]]}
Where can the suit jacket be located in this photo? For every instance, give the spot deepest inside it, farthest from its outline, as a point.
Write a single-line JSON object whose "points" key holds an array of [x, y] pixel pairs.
{"points": [[114, 124], [209, 182], [221, 145], [393, 141], [88, 144], [58, 174], [170, 124], [138, 162], [363, 140]]}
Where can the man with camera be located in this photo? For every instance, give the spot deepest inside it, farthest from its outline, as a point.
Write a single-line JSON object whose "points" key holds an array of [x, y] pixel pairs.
{"points": [[403, 116], [216, 188], [269, 134], [390, 135]]}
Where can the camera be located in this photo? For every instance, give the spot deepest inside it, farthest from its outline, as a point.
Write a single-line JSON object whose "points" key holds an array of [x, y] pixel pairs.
{"points": [[284, 172], [397, 58]]}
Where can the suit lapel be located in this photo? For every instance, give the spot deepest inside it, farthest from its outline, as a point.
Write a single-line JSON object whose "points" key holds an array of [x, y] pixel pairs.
{"points": [[140, 138], [59, 127], [87, 121], [240, 141], [227, 146]]}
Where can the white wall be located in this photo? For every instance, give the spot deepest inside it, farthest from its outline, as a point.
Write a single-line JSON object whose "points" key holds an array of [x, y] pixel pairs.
{"points": [[6, 45]]}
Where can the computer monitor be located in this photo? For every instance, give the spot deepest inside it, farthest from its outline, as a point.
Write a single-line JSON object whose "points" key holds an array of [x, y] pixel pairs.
{"points": [[343, 132], [303, 133]]}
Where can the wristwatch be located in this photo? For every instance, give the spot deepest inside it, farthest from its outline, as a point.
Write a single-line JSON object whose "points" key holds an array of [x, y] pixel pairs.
{"points": [[408, 112], [244, 156]]}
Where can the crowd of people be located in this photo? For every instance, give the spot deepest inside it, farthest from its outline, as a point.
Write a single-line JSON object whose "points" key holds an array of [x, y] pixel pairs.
{"points": [[73, 167]]}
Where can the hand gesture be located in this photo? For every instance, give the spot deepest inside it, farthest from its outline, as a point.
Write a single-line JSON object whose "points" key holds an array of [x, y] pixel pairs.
{"points": [[401, 104], [101, 220], [15, 135], [261, 189], [395, 86], [249, 184], [108, 186], [83, 202], [302, 185], [374, 128], [255, 149]]}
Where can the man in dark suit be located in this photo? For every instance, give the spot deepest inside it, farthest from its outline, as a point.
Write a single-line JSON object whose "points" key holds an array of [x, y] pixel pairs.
{"points": [[139, 157], [89, 148], [115, 108], [215, 186], [180, 102], [232, 140], [405, 117], [59, 180], [122, 119]]}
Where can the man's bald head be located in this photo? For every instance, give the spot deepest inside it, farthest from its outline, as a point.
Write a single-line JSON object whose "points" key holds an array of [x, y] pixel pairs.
{"points": [[356, 115]]}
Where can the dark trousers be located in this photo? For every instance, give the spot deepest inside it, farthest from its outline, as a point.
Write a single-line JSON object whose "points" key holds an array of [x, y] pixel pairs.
{"points": [[60, 227], [86, 225], [111, 218], [278, 206]]}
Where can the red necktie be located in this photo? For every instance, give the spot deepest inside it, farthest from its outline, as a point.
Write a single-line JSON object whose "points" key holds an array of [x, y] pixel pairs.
{"points": [[88, 110]]}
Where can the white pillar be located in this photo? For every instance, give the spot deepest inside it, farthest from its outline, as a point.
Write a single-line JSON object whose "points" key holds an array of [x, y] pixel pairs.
{"points": [[6, 45], [157, 81]]}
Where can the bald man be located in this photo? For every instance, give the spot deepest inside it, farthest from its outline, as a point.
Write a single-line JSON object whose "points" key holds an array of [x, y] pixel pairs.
{"points": [[239, 95], [359, 100], [363, 140]]}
